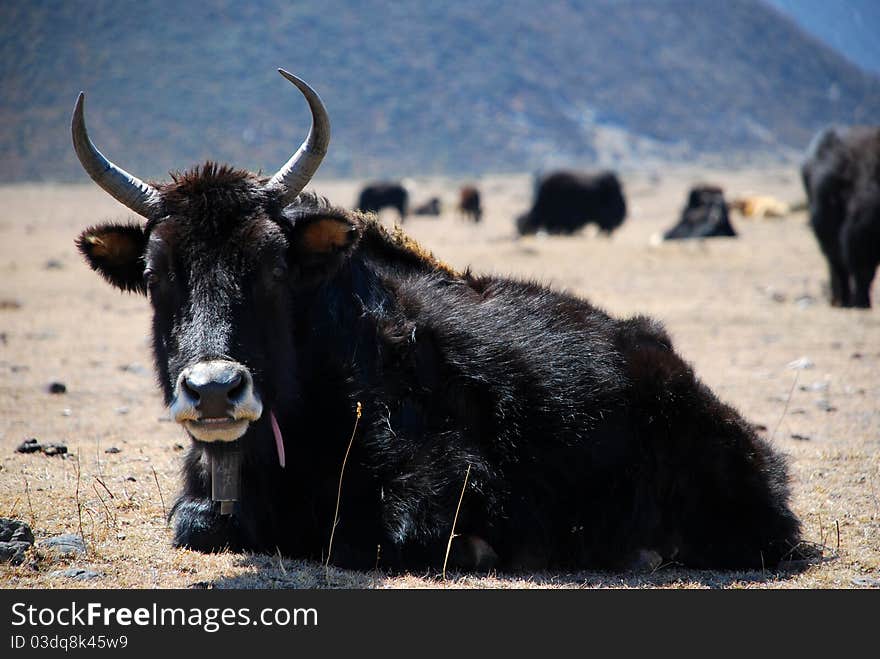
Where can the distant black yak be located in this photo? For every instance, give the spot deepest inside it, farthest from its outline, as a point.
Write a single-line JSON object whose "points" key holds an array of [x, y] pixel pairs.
{"points": [[704, 216], [570, 438], [376, 196], [841, 175], [566, 201], [430, 207]]}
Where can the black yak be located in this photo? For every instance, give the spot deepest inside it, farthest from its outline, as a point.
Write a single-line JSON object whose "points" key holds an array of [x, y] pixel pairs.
{"points": [[583, 440], [704, 215], [376, 196], [841, 176], [431, 207], [566, 201]]}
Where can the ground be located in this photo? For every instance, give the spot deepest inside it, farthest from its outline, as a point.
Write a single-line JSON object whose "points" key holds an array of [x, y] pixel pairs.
{"points": [[750, 313]]}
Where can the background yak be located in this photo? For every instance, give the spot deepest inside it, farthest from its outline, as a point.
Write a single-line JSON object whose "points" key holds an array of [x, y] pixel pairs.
{"points": [[391, 194], [704, 215], [841, 175], [577, 439], [566, 201], [469, 203]]}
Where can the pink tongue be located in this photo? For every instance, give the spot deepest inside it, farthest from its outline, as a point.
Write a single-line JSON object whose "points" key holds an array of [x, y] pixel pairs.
{"points": [[279, 441]]}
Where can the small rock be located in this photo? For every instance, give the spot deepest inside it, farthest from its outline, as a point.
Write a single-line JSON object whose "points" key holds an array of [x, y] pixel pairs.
{"points": [[66, 411], [804, 301], [178, 447], [815, 386], [68, 544], [856, 355], [131, 478], [802, 363], [54, 449], [825, 406], [867, 582], [113, 449], [53, 264], [122, 410], [8, 304], [137, 369], [800, 438], [29, 446], [77, 573], [13, 530], [13, 552], [57, 388]]}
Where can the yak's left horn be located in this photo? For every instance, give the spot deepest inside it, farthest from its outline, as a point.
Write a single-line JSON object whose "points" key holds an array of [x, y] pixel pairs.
{"points": [[140, 197], [296, 174]]}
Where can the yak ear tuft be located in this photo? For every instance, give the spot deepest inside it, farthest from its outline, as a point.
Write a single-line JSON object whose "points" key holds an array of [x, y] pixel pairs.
{"points": [[321, 241], [325, 234], [116, 251]]}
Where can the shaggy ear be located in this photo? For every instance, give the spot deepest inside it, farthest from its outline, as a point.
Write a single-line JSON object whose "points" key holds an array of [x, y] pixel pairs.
{"points": [[323, 240], [116, 251]]}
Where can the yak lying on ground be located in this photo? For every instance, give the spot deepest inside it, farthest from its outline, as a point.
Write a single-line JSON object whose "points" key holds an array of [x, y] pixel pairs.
{"points": [[566, 201], [841, 176], [583, 440], [376, 196], [469, 204], [431, 207], [704, 216]]}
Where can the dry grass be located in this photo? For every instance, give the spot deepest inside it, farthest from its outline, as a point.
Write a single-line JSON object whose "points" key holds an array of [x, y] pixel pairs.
{"points": [[740, 310]]}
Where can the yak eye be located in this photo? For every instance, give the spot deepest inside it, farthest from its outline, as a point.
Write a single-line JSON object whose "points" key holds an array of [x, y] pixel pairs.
{"points": [[279, 273], [150, 277]]}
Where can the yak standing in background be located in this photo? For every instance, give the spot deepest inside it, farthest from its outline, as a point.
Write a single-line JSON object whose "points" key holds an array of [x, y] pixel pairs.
{"points": [[704, 216], [376, 196], [469, 204], [583, 440], [841, 176], [566, 201]]}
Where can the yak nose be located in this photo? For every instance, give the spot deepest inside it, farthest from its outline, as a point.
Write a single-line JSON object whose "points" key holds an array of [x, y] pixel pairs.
{"points": [[215, 387]]}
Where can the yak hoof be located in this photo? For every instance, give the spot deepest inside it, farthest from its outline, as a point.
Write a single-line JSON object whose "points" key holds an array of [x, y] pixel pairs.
{"points": [[644, 560], [472, 553], [198, 525]]}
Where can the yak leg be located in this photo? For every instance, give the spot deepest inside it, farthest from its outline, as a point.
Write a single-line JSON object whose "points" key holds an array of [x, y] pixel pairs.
{"points": [[840, 291], [199, 525], [862, 279]]}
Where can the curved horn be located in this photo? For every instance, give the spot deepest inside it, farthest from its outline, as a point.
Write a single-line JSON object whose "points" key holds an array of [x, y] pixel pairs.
{"points": [[298, 171], [140, 197]]}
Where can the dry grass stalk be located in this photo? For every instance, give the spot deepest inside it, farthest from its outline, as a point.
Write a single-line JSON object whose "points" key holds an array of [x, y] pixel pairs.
{"points": [[27, 492], [787, 402], [455, 520], [161, 498], [106, 489], [78, 504], [111, 518], [14, 506], [339, 490]]}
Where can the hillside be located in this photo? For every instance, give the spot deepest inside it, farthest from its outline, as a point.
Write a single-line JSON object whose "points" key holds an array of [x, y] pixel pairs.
{"points": [[417, 87], [849, 26]]}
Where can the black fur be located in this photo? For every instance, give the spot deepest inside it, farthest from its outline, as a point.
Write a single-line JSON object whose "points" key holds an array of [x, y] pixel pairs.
{"points": [[566, 201], [841, 176], [588, 439], [704, 216], [376, 196]]}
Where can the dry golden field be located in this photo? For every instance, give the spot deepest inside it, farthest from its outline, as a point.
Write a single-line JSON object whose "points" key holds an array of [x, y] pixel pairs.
{"points": [[740, 310]]}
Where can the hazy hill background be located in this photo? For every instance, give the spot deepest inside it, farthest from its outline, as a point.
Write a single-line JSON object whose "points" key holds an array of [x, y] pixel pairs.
{"points": [[416, 87], [849, 26]]}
